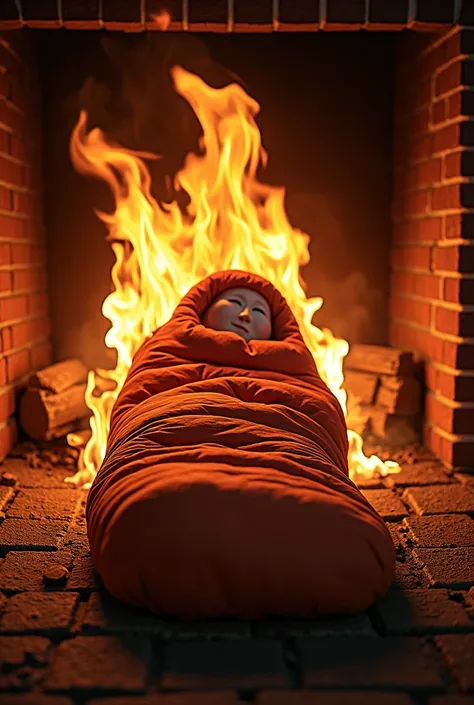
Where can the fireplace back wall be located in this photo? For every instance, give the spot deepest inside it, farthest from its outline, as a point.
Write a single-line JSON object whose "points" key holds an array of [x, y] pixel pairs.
{"points": [[326, 121]]}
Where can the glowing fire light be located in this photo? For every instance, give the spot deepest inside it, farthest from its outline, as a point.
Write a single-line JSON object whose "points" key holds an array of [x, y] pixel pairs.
{"points": [[232, 222], [161, 19]]}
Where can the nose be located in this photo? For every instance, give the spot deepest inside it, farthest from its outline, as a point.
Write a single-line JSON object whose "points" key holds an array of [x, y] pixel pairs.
{"points": [[244, 315]]}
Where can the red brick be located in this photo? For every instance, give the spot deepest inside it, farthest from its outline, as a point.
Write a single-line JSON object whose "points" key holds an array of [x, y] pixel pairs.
{"points": [[420, 147], [426, 286], [458, 164], [411, 257], [448, 567], [5, 254], [7, 404], [31, 535], [123, 666], [27, 254], [28, 279], [454, 453], [454, 322], [8, 60], [18, 365], [13, 307], [6, 341], [5, 198], [410, 310], [8, 438], [5, 141], [449, 78], [460, 291], [5, 281], [12, 228], [441, 530], [421, 612], [18, 148], [440, 499], [39, 613], [446, 138], [23, 333], [11, 172], [428, 230], [11, 117], [459, 225], [450, 385], [39, 503], [429, 172], [452, 196], [22, 202], [457, 258], [387, 503], [458, 653], [457, 420], [34, 329], [405, 336], [413, 203], [458, 355], [439, 111]]}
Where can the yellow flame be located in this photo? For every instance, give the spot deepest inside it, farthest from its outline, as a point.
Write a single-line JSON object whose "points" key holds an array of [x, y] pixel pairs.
{"points": [[232, 222]]}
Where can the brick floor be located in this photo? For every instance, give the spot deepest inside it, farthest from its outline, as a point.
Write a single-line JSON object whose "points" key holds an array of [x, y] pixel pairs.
{"points": [[65, 641], [441, 530]]}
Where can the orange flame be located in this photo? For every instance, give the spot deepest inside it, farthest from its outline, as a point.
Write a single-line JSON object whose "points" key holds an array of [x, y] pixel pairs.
{"points": [[162, 19], [232, 222]]}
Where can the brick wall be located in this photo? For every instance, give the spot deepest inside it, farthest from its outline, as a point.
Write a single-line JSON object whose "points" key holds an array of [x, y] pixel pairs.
{"points": [[432, 260], [24, 324]]}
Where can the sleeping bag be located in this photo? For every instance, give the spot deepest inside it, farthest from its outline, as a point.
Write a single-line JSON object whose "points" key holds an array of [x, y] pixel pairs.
{"points": [[224, 490]]}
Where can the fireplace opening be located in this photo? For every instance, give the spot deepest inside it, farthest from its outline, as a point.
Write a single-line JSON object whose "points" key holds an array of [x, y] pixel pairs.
{"points": [[326, 123], [369, 132]]}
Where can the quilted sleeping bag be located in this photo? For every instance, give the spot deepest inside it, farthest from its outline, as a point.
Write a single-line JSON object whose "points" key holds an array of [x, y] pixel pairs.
{"points": [[224, 490]]}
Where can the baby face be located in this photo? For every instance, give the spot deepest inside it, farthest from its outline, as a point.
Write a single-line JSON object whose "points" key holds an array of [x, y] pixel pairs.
{"points": [[242, 311]]}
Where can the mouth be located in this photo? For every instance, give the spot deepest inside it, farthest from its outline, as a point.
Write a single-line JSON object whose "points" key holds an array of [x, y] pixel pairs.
{"points": [[239, 327]]}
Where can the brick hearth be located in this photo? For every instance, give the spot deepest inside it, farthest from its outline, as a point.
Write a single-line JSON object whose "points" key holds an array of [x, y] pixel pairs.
{"points": [[64, 640]]}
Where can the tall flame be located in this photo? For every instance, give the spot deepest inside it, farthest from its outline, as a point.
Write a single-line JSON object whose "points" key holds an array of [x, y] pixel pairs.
{"points": [[232, 222]]}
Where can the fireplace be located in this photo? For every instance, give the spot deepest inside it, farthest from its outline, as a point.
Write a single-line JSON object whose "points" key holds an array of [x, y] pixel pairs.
{"points": [[372, 136]]}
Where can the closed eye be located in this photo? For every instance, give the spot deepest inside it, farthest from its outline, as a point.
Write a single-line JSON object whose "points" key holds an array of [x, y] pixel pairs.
{"points": [[236, 301], [260, 310]]}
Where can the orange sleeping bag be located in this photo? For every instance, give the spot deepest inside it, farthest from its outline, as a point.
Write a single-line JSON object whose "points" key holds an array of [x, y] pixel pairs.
{"points": [[225, 490]]}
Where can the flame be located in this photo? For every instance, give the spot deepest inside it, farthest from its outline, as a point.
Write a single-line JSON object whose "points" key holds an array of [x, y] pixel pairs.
{"points": [[162, 19], [232, 222]]}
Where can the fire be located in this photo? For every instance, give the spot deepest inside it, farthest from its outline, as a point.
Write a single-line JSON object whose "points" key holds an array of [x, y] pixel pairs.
{"points": [[162, 19], [232, 222]]}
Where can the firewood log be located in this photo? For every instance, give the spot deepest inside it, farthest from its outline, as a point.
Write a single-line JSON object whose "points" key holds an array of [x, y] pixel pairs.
{"points": [[44, 415], [380, 360], [360, 386], [60, 376]]}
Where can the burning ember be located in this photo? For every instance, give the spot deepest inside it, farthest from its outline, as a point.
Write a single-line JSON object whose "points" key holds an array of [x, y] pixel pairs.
{"points": [[232, 222]]}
